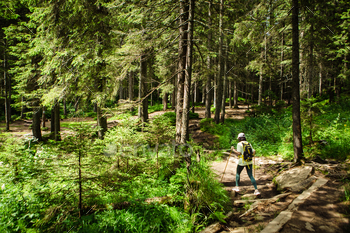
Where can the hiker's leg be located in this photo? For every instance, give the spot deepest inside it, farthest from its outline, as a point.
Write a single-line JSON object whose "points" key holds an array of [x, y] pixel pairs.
{"points": [[250, 174], [238, 173]]}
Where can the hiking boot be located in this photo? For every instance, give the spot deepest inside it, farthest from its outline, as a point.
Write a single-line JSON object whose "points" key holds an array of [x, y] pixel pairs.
{"points": [[256, 192], [236, 189]]}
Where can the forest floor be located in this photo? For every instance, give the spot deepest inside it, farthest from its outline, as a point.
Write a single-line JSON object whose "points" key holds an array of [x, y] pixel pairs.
{"points": [[323, 211]]}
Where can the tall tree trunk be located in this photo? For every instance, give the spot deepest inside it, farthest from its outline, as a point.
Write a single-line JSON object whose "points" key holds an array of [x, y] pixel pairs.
{"points": [[143, 107], [57, 122], [173, 95], [36, 130], [230, 93], [320, 80], [225, 84], [188, 76], [131, 88], [220, 68], [181, 69], [43, 118], [101, 122], [260, 80], [208, 85], [282, 71], [7, 86], [52, 122], [311, 64], [204, 96], [235, 94], [165, 101], [80, 205], [22, 108], [297, 138]]}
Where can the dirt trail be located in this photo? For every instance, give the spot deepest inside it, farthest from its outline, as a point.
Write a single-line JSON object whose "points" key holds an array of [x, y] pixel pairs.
{"points": [[322, 212]]}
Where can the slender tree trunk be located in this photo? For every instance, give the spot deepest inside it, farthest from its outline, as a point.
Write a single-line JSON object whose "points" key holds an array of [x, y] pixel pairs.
{"points": [[43, 118], [220, 68], [230, 93], [143, 107], [188, 76], [101, 122], [36, 130], [204, 96], [80, 205], [297, 138], [235, 95], [311, 64], [165, 101], [121, 91], [7, 87], [22, 108], [225, 84], [64, 107], [208, 85], [57, 122], [181, 70], [320, 80], [173, 95], [52, 123], [131, 88], [260, 80], [282, 71]]}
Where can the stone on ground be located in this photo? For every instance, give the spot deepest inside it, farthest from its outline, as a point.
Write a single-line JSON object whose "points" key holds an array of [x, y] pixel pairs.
{"points": [[212, 228], [293, 177]]}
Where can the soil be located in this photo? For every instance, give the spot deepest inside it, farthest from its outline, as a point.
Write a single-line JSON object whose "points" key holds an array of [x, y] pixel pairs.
{"points": [[323, 211]]}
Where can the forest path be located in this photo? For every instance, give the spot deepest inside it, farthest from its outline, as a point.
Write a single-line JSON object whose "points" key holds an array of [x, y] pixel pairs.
{"points": [[21, 128], [323, 211]]}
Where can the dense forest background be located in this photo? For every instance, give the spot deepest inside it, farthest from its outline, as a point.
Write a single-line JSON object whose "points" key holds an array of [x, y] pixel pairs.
{"points": [[111, 60]]}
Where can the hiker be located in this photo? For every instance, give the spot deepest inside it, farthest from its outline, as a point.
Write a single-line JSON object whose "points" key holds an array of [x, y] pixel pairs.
{"points": [[243, 163]]}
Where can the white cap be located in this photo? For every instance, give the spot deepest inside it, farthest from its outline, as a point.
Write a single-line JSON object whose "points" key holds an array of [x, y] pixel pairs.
{"points": [[241, 135]]}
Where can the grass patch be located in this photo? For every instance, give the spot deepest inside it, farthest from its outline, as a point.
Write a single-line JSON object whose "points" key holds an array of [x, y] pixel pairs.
{"points": [[69, 124]]}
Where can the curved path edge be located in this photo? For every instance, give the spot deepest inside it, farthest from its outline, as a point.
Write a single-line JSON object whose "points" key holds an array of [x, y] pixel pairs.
{"points": [[276, 224]]}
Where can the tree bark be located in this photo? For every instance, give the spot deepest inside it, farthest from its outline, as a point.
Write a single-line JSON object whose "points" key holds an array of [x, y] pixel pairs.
{"points": [[36, 130], [235, 95], [165, 101], [101, 122], [260, 80], [7, 87], [143, 106], [188, 76], [297, 138], [282, 70], [208, 85], [311, 64], [57, 122], [52, 123], [220, 68], [131, 88], [225, 85], [230, 93], [173, 95], [320, 80], [43, 118], [181, 69]]}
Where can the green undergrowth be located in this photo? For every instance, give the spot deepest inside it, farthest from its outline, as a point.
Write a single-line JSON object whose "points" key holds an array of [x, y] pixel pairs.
{"points": [[124, 183], [325, 130]]}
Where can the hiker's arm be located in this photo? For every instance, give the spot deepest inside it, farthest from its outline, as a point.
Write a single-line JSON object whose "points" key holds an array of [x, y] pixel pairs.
{"points": [[235, 151]]}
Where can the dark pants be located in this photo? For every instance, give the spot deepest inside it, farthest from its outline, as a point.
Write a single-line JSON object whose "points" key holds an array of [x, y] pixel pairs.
{"points": [[249, 172]]}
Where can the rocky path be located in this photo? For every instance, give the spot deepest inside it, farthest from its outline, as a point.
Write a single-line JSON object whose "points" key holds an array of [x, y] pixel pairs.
{"points": [[316, 207]]}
